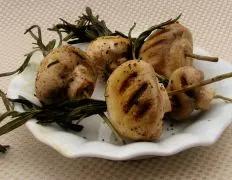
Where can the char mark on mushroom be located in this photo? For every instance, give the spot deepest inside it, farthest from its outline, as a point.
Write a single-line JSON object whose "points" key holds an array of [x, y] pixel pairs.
{"points": [[126, 83], [133, 99]]}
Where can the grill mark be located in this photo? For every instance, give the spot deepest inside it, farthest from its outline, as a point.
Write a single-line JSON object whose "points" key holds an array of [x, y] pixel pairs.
{"points": [[183, 81], [126, 83], [133, 99], [154, 44], [191, 92], [143, 108]]}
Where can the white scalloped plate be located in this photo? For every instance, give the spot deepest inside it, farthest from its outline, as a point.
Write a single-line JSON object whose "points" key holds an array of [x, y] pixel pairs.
{"points": [[96, 139]]}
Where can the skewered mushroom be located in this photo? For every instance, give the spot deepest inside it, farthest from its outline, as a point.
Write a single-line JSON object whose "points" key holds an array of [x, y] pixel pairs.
{"points": [[136, 101], [183, 104], [65, 73], [169, 48], [165, 49]]}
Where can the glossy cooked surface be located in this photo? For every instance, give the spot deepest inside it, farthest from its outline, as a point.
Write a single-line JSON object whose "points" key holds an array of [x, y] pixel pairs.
{"points": [[165, 49], [136, 102]]}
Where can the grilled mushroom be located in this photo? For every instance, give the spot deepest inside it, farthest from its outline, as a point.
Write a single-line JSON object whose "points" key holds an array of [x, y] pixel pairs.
{"points": [[108, 52], [136, 101], [183, 104], [66, 73], [165, 49], [170, 48]]}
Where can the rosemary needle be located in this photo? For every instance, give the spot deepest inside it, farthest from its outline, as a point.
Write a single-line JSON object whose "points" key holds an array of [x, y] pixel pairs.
{"points": [[117, 135]]}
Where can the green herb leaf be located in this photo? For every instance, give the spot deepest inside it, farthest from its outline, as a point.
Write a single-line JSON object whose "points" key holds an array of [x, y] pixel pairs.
{"points": [[40, 46], [67, 114], [45, 49], [87, 28], [9, 106], [22, 67], [7, 114]]}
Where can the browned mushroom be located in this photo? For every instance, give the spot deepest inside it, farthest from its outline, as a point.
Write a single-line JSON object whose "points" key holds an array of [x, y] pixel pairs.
{"points": [[136, 101], [170, 48], [66, 73], [184, 103], [108, 52]]}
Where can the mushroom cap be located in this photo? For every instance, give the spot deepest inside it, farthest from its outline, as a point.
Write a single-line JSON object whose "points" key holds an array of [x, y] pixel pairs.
{"points": [[183, 104], [63, 75], [166, 49], [136, 101], [108, 52]]}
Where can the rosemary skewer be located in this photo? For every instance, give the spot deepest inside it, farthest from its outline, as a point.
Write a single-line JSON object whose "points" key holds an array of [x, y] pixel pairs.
{"points": [[202, 83], [226, 99], [203, 58]]}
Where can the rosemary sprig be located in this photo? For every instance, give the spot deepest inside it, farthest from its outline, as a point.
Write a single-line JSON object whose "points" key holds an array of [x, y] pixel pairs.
{"points": [[87, 28], [22, 67], [136, 45], [40, 46], [45, 49], [67, 114]]}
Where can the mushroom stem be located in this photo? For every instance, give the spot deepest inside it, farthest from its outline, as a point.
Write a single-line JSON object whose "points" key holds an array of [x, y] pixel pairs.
{"points": [[117, 135], [203, 58], [226, 99], [202, 83]]}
